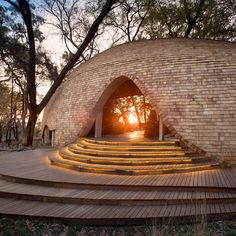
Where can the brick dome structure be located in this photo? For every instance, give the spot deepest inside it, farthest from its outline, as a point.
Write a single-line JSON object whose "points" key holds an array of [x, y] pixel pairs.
{"points": [[191, 83]]}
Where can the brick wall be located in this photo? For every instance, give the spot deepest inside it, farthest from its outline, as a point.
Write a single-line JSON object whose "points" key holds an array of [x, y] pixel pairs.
{"points": [[192, 82]]}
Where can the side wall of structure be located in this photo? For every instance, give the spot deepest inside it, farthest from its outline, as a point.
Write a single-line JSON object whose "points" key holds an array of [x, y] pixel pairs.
{"points": [[191, 82]]}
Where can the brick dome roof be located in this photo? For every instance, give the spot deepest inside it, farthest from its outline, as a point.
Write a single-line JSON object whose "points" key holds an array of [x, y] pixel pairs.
{"points": [[191, 82]]}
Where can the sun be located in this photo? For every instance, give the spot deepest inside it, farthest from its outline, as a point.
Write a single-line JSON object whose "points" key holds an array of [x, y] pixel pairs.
{"points": [[133, 119]]}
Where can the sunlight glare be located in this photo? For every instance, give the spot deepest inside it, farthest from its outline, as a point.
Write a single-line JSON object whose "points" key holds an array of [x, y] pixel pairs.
{"points": [[133, 119]]}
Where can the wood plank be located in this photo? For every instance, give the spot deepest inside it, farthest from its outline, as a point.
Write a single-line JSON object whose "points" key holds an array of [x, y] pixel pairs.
{"points": [[113, 189]]}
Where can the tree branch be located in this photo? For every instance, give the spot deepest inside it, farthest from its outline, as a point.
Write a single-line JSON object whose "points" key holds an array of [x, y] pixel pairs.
{"points": [[13, 5], [142, 20], [91, 33], [192, 21]]}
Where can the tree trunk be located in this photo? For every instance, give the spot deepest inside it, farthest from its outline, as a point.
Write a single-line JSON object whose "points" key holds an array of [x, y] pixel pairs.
{"points": [[8, 133], [124, 116], [24, 111], [144, 110], [192, 20], [136, 111], [29, 130], [1, 131]]}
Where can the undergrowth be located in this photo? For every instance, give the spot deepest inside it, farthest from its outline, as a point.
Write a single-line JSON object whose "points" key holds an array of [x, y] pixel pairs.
{"points": [[26, 227]]}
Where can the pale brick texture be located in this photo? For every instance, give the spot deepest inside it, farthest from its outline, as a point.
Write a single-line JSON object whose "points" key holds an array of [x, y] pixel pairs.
{"points": [[192, 82]]}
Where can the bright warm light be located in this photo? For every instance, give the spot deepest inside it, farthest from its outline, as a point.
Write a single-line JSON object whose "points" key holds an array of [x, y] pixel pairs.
{"points": [[133, 119]]}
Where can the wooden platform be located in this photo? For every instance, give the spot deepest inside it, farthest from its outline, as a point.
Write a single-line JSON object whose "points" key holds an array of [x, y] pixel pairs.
{"points": [[31, 187]]}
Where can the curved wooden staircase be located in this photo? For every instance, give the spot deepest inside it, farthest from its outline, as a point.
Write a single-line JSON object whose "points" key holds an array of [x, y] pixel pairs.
{"points": [[129, 158], [116, 183]]}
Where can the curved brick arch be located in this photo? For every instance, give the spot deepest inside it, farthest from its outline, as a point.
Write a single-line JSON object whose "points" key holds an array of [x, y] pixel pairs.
{"points": [[192, 82], [106, 94]]}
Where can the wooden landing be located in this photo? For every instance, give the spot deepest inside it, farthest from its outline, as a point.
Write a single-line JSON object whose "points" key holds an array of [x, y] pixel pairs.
{"points": [[31, 187]]}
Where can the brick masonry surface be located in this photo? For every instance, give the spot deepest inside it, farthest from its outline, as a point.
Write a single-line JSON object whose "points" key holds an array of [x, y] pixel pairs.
{"points": [[191, 82]]}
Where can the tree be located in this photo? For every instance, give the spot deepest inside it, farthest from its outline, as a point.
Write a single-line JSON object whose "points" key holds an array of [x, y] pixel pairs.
{"points": [[144, 19], [10, 112], [24, 10], [14, 54], [212, 19], [125, 23], [73, 20]]}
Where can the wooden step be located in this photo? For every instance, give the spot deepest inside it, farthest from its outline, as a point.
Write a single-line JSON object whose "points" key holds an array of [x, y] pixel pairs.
{"points": [[130, 143], [56, 159], [89, 182], [89, 214], [34, 167], [126, 161], [94, 152], [84, 144], [200, 159], [31, 187], [110, 197]]}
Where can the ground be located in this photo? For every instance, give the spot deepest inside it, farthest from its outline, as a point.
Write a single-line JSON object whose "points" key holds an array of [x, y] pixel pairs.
{"points": [[26, 227], [18, 147]]}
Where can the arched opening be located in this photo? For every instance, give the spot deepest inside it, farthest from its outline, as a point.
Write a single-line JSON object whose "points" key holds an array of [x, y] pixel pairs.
{"points": [[128, 113], [48, 136]]}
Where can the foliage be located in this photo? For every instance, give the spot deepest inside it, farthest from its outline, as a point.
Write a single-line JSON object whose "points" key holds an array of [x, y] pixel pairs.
{"points": [[15, 57], [14, 50], [73, 19], [211, 19], [24, 31], [118, 110], [127, 20], [22, 226], [134, 20], [145, 19], [6, 106]]}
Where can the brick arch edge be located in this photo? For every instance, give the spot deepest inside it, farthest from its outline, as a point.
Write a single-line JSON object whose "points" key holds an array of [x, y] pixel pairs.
{"points": [[109, 89]]}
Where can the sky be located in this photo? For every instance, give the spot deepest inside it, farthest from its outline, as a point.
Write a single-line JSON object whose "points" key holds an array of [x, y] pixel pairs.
{"points": [[55, 47], [53, 43]]}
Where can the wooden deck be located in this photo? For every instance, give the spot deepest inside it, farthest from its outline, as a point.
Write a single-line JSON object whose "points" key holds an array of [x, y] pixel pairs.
{"points": [[30, 186]]}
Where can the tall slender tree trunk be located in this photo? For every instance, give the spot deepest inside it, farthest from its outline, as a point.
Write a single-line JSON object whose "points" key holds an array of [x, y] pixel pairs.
{"points": [[1, 131], [24, 111], [11, 114], [124, 116], [29, 130], [144, 110], [14, 125], [8, 133], [136, 110], [192, 20]]}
